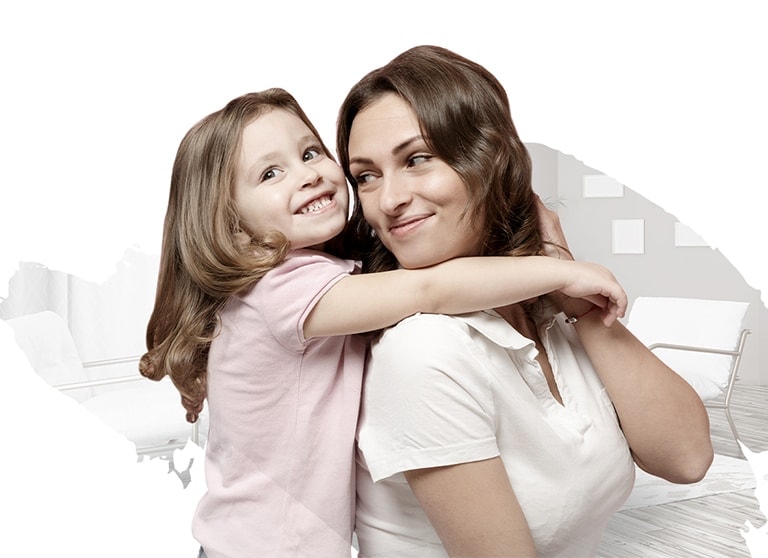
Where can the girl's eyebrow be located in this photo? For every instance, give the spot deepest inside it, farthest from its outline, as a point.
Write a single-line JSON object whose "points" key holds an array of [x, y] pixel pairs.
{"points": [[255, 169], [269, 158], [399, 148]]}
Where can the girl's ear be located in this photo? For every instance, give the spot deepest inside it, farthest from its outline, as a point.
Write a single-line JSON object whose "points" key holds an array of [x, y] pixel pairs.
{"points": [[242, 239]]}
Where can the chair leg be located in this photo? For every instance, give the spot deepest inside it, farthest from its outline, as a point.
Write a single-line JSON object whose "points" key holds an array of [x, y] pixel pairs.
{"points": [[733, 429]]}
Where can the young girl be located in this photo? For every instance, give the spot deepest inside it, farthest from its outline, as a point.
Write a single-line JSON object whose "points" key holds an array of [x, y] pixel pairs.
{"points": [[255, 313]]}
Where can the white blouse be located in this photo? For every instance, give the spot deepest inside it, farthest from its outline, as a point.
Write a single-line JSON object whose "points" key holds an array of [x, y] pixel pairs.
{"points": [[441, 390]]}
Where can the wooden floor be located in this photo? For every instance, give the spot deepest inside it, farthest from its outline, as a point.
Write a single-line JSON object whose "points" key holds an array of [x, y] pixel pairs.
{"points": [[706, 527]]}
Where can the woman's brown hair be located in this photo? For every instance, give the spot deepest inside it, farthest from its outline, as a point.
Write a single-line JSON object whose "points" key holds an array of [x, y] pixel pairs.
{"points": [[464, 115], [208, 253]]}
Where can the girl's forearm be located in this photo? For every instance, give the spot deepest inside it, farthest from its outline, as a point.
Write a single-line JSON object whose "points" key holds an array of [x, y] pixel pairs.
{"points": [[477, 283], [368, 302]]}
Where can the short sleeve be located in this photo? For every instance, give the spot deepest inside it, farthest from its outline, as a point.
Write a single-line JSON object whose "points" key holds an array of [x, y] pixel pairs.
{"points": [[427, 400], [286, 295]]}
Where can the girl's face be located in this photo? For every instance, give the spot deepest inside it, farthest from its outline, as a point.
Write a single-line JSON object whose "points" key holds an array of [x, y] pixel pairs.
{"points": [[412, 199], [286, 182]]}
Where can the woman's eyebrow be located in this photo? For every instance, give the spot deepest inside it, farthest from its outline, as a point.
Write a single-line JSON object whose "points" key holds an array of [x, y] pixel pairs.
{"points": [[405, 144], [399, 148]]}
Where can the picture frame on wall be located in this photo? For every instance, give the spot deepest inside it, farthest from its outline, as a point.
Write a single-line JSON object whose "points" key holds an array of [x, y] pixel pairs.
{"points": [[601, 186], [686, 236], [628, 236]]}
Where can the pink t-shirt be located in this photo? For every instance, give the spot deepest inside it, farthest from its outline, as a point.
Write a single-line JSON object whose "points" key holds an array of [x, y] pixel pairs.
{"points": [[283, 411]]}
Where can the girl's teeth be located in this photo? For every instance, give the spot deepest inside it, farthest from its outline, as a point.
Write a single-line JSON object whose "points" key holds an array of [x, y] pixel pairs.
{"points": [[316, 205]]}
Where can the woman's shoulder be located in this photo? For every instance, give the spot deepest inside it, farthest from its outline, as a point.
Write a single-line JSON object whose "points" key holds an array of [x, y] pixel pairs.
{"points": [[420, 353], [419, 339], [422, 327]]}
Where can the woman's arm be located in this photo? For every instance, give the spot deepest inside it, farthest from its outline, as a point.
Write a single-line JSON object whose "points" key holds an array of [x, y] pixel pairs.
{"points": [[372, 301], [662, 417], [473, 509]]}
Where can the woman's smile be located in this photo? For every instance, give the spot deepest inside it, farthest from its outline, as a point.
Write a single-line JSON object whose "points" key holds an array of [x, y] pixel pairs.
{"points": [[405, 227], [414, 201]]}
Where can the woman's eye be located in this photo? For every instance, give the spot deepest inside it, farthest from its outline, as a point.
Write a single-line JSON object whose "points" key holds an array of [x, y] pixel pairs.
{"points": [[363, 178], [311, 153], [418, 159]]}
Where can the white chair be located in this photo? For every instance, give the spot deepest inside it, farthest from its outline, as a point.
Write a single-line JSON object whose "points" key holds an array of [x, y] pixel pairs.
{"points": [[146, 412], [702, 340]]}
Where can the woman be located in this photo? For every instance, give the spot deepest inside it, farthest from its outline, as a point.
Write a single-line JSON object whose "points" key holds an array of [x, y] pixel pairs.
{"points": [[508, 432]]}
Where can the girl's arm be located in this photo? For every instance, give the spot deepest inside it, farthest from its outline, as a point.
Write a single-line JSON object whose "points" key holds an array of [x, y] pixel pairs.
{"points": [[368, 302], [473, 509], [662, 417]]}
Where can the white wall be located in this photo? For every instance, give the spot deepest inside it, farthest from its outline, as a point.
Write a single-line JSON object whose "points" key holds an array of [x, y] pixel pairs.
{"points": [[663, 269]]}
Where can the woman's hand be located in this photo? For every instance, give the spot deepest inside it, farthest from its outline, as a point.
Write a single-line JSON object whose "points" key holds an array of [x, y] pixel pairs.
{"points": [[555, 245], [579, 296]]}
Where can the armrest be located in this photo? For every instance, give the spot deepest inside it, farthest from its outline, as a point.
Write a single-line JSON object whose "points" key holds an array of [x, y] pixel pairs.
{"points": [[693, 348], [735, 352], [195, 427], [104, 381], [109, 361], [732, 371]]}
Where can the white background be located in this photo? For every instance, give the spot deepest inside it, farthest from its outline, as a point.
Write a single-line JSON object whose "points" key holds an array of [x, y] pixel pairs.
{"points": [[668, 98], [665, 97]]}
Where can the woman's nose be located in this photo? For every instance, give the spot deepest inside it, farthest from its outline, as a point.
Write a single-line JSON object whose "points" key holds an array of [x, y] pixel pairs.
{"points": [[395, 195]]}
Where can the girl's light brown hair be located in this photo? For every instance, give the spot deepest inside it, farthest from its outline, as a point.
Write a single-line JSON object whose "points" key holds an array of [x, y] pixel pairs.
{"points": [[464, 115], [208, 254]]}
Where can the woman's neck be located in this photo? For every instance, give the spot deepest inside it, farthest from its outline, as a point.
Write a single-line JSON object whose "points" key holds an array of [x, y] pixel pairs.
{"points": [[518, 318]]}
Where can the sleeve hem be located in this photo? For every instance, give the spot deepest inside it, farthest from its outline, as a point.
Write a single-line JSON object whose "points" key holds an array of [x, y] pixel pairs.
{"points": [[421, 458]]}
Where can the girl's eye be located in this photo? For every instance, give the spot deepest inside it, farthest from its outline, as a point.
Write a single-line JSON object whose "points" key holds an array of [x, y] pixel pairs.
{"points": [[312, 153], [269, 174]]}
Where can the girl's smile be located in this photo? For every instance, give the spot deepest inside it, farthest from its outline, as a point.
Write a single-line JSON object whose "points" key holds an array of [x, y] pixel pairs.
{"points": [[286, 182]]}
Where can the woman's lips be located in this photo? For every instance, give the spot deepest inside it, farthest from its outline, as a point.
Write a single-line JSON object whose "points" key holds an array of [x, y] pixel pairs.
{"points": [[404, 227]]}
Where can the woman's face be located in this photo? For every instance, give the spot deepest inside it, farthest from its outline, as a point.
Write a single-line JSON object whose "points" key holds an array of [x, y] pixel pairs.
{"points": [[412, 199]]}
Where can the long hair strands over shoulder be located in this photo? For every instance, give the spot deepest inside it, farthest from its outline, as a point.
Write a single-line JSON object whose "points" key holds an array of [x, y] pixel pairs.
{"points": [[207, 253]]}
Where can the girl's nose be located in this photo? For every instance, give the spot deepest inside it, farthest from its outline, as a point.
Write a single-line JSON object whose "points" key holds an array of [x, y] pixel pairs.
{"points": [[311, 177]]}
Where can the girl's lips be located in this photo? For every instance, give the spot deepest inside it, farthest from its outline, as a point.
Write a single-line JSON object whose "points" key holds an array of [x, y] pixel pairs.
{"points": [[316, 205]]}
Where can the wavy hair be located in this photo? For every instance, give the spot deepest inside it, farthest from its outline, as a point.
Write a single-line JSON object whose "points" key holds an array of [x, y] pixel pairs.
{"points": [[208, 253], [464, 116]]}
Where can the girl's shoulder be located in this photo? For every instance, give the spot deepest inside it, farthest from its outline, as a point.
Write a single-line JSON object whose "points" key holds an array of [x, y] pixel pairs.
{"points": [[304, 257]]}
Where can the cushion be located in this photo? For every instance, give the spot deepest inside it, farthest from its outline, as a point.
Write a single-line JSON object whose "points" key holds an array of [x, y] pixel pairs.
{"points": [[146, 412], [715, 324], [47, 343]]}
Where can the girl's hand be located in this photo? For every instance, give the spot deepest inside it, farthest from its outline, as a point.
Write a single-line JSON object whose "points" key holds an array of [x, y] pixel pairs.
{"points": [[592, 284]]}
